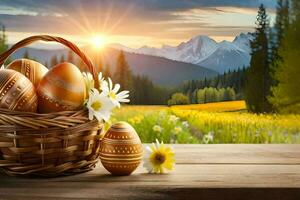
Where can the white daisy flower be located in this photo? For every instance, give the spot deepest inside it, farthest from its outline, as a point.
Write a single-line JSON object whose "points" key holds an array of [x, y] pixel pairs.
{"points": [[173, 119], [112, 92], [99, 105], [177, 130], [208, 138], [89, 81], [102, 82], [185, 124]]}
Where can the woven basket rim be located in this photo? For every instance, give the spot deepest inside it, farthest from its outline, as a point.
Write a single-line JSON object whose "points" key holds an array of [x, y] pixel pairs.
{"points": [[17, 120], [5, 111]]}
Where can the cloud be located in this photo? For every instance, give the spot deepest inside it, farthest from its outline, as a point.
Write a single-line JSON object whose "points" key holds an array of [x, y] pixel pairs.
{"points": [[163, 19]]}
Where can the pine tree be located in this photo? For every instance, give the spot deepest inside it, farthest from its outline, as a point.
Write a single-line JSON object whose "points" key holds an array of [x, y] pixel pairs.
{"points": [[62, 59], [107, 71], [98, 62], [258, 86], [277, 36], [46, 64], [53, 61], [26, 54], [123, 74], [70, 57], [287, 93], [3, 40]]}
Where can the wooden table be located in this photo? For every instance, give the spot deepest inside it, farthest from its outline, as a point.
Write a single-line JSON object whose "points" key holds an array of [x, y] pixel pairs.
{"points": [[202, 172]]}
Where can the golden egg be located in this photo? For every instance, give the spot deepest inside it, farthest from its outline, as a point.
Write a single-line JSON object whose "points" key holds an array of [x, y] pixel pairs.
{"points": [[17, 92], [33, 70], [61, 89], [121, 150]]}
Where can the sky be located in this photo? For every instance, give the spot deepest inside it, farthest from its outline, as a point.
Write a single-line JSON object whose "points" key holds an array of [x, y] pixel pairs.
{"points": [[133, 23]]}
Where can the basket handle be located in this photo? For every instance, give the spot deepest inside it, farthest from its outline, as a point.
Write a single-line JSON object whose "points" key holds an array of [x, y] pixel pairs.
{"points": [[48, 38]]}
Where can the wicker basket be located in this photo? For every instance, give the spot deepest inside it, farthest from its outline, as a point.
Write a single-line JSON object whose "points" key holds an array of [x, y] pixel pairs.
{"points": [[61, 143]]}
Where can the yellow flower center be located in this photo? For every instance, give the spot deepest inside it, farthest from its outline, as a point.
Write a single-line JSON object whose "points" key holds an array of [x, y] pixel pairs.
{"points": [[96, 105], [112, 95], [159, 158]]}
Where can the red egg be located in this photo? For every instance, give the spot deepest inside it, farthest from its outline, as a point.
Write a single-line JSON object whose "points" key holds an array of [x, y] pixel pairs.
{"points": [[61, 89], [33, 70], [17, 92]]}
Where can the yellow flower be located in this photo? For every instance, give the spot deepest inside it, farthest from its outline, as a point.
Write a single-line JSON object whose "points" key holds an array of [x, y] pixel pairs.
{"points": [[158, 158], [157, 128]]}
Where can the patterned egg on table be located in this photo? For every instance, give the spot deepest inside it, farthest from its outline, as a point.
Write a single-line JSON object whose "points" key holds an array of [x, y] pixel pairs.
{"points": [[61, 89], [17, 92], [33, 70], [121, 149]]}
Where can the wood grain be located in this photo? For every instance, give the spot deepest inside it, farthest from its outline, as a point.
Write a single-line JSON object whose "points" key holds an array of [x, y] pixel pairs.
{"points": [[201, 172]]}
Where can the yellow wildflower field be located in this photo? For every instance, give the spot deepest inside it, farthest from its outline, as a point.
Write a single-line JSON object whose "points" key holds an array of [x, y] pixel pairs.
{"points": [[214, 107], [224, 122]]}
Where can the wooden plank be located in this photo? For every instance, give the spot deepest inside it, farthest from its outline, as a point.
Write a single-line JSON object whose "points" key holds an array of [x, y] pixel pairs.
{"points": [[98, 183], [232, 169], [196, 176], [238, 154]]}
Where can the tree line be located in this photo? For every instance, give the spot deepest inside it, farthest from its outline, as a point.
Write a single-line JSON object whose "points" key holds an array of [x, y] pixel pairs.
{"points": [[205, 95], [272, 83], [231, 79]]}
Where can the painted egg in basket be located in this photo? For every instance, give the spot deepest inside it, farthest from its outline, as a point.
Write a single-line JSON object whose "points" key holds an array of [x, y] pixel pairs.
{"points": [[61, 89], [121, 149], [33, 70], [17, 92]]}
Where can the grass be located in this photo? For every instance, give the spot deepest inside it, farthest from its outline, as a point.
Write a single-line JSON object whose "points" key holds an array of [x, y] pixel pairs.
{"points": [[225, 122], [154, 122]]}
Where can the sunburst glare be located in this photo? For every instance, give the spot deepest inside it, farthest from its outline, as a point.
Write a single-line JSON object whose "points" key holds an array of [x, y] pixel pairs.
{"points": [[99, 41]]}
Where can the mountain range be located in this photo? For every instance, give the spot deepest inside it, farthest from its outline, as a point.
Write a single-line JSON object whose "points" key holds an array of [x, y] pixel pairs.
{"points": [[204, 51]]}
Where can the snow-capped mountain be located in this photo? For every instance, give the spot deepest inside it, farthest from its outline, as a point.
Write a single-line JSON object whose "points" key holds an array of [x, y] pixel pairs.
{"points": [[226, 57], [204, 51], [243, 41], [192, 51]]}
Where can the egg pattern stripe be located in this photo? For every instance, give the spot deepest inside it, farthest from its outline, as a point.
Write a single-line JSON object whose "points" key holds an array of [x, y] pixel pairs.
{"points": [[128, 155], [135, 141], [121, 129], [121, 158], [22, 96], [8, 82], [61, 84], [62, 103], [122, 162], [4, 80], [27, 70]]}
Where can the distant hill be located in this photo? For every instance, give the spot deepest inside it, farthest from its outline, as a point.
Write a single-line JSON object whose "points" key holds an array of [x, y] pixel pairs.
{"points": [[160, 70]]}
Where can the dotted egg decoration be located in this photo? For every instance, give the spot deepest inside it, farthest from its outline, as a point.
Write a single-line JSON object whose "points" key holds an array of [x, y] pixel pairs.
{"points": [[33, 70], [61, 89], [17, 92], [121, 149]]}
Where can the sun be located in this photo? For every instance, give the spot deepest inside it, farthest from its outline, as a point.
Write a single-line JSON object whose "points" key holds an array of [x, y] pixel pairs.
{"points": [[98, 41]]}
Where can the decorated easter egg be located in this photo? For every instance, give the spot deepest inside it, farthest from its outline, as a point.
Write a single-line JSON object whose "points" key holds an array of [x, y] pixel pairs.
{"points": [[121, 149], [61, 89], [33, 70], [17, 92]]}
